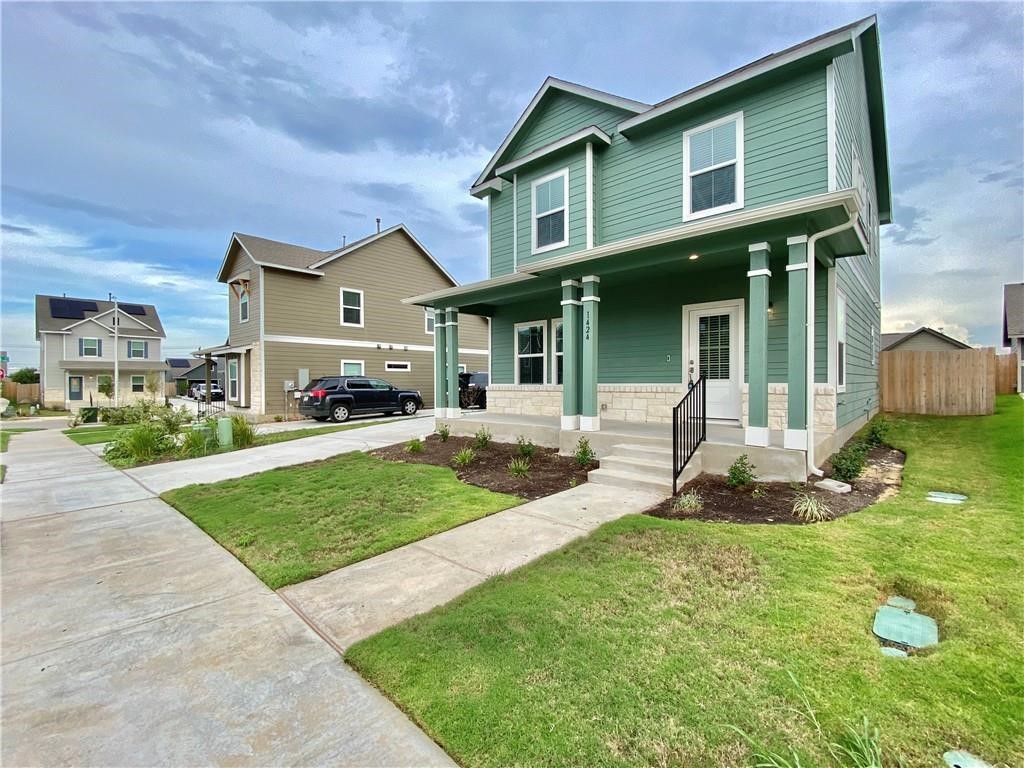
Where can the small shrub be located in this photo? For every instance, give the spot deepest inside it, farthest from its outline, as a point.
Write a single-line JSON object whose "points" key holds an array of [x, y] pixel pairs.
{"points": [[759, 493], [573, 482], [141, 443], [444, 432], [876, 433], [849, 462], [526, 448], [584, 454], [243, 433], [481, 438], [196, 443], [519, 466], [689, 503], [741, 472], [172, 419], [811, 509], [464, 457], [414, 446], [279, 418]]}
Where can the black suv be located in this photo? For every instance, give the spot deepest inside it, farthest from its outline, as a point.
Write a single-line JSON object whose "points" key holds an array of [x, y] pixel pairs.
{"points": [[473, 389], [338, 397]]}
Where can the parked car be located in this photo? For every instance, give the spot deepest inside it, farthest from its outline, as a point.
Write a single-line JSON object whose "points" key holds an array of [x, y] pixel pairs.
{"points": [[338, 397], [199, 392], [473, 389]]}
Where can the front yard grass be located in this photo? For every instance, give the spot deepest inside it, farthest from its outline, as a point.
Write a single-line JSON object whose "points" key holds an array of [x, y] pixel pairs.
{"points": [[643, 643], [294, 523]]}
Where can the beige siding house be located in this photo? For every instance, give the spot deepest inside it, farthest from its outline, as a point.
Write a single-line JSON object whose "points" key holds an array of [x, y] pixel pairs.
{"points": [[78, 346], [297, 313]]}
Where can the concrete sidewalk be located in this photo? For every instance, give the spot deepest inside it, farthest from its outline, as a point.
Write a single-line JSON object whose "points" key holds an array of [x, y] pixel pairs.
{"points": [[129, 637], [225, 466], [361, 599]]}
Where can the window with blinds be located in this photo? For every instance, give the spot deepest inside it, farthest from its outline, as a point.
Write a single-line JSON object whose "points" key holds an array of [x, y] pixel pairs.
{"points": [[713, 346], [713, 165]]}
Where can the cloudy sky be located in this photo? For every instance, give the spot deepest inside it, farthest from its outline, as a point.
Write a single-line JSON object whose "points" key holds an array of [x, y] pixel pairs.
{"points": [[136, 138]]}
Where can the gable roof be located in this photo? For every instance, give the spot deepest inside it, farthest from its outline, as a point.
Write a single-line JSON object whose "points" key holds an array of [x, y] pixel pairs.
{"points": [[889, 340], [46, 321], [297, 258], [1013, 311]]}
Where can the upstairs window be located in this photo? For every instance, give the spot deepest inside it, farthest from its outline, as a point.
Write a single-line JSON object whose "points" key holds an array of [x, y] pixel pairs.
{"points": [[352, 307], [713, 168], [243, 304], [90, 348], [138, 349], [550, 211]]}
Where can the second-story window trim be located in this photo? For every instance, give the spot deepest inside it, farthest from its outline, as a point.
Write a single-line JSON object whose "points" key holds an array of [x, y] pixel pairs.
{"points": [[137, 349], [353, 307], [549, 212], [89, 347], [243, 303], [713, 167]]}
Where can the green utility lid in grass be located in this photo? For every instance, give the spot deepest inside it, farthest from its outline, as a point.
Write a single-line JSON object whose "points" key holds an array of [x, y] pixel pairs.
{"points": [[905, 627], [946, 498], [897, 653], [960, 759], [903, 603]]}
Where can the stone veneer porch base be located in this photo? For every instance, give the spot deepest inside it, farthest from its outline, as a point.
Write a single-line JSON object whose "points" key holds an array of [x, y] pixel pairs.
{"points": [[640, 403]]}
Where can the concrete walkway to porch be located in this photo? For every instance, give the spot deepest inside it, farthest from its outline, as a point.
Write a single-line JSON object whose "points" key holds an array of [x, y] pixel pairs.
{"points": [[361, 599], [129, 637]]}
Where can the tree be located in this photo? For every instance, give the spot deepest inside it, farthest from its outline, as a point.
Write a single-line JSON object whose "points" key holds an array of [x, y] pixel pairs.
{"points": [[25, 376], [105, 386], [154, 383]]}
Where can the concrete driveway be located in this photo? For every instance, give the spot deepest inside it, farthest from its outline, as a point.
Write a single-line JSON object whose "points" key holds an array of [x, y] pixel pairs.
{"points": [[129, 637]]}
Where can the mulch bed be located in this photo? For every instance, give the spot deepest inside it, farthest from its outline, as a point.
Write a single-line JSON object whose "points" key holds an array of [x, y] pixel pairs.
{"points": [[772, 503], [549, 472]]}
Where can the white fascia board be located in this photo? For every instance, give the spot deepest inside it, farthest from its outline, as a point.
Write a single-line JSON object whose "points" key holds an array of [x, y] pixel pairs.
{"points": [[590, 133], [748, 72], [429, 299], [481, 191], [302, 270], [619, 102], [846, 198]]}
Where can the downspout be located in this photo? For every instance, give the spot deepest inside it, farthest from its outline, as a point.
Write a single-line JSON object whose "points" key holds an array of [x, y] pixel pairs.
{"points": [[812, 469]]}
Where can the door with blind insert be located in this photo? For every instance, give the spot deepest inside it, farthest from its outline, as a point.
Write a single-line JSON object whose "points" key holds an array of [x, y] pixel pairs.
{"points": [[713, 351]]}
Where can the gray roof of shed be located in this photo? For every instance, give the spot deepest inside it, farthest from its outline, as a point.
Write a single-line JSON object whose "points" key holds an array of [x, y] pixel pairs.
{"points": [[892, 339]]}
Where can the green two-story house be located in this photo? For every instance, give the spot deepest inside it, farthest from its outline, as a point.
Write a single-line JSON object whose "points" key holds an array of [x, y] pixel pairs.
{"points": [[636, 250]]}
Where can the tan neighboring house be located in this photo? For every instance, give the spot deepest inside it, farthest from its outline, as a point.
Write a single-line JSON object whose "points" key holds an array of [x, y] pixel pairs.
{"points": [[297, 313], [1013, 326], [77, 346], [924, 339]]}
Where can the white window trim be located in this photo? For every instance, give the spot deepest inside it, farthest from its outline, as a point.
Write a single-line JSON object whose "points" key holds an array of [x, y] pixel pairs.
{"points": [[233, 379], [564, 173], [401, 366], [131, 383], [544, 344], [555, 354], [841, 337], [463, 368], [428, 315], [738, 162], [136, 357], [362, 307], [243, 293], [360, 363], [874, 346], [86, 339]]}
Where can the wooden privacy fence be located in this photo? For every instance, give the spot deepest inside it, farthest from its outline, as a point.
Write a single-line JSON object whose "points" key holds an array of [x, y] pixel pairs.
{"points": [[21, 393], [1006, 374], [955, 383]]}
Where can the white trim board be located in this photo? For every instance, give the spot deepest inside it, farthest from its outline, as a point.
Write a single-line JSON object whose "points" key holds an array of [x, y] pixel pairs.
{"points": [[355, 343], [562, 173]]}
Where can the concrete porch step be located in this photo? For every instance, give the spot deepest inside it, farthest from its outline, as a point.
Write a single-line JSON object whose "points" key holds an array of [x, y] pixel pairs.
{"points": [[659, 454], [657, 469], [623, 478]]}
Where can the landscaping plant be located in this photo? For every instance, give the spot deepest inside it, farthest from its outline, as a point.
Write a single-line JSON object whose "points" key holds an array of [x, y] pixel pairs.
{"points": [[741, 472], [759, 492], [689, 503], [849, 462], [810, 508], [876, 432], [526, 448], [583, 453], [143, 442], [243, 433], [519, 466], [464, 457], [444, 432], [197, 442], [414, 446], [481, 438]]}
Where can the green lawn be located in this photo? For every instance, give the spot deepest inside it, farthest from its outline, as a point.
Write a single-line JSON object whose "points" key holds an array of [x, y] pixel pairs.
{"points": [[294, 523], [95, 435], [6, 432], [642, 643]]}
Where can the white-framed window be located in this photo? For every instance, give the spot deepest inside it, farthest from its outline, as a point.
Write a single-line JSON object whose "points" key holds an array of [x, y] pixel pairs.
{"points": [[397, 365], [531, 352], [549, 201], [243, 303], [463, 368], [137, 349], [713, 167], [866, 215], [352, 368], [90, 348], [428, 320], [874, 346], [352, 307], [840, 341], [138, 383], [556, 331], [232, 378]]}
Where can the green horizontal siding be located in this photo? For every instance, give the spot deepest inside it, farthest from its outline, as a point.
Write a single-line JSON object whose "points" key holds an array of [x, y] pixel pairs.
{"points": [[500, 232], [559, 115], [861, 395]]}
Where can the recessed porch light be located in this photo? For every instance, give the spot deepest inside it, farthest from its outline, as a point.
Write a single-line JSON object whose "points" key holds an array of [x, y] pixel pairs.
{"points": [[694, 256]]}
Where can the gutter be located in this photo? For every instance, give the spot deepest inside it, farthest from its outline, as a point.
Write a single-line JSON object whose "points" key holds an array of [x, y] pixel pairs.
{"points": [[812, 263]]}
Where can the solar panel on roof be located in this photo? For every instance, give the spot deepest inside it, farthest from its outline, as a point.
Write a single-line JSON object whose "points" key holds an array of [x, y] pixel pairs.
{"points": [[179, 362], [84, 306], [133, 309], [65, 310]]}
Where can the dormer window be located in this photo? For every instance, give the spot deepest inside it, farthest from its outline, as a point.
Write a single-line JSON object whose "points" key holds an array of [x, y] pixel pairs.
{"points": [[550, 205], [713, 168]]}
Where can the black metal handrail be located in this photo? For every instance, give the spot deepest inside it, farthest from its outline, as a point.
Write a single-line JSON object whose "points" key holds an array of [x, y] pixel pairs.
{"points": [[689, 428], [206, 410]]}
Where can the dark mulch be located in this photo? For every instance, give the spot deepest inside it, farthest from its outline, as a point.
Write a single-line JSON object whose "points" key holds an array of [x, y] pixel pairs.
{"points": [[549, 472], [772, 503]]}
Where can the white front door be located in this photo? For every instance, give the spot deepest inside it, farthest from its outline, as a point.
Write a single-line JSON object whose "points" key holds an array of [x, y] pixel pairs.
{"points": [[714, 343]]}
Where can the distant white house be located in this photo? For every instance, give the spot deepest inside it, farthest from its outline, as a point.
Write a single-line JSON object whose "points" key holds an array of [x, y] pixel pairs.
{"points": [[77, 350]]}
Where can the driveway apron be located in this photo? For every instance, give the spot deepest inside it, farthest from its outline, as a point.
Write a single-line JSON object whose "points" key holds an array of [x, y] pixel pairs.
{"points": [[129, 637]]}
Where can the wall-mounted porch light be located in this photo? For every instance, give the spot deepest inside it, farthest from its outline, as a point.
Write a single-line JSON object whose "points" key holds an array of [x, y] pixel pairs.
{"points": [[771, 309]]}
